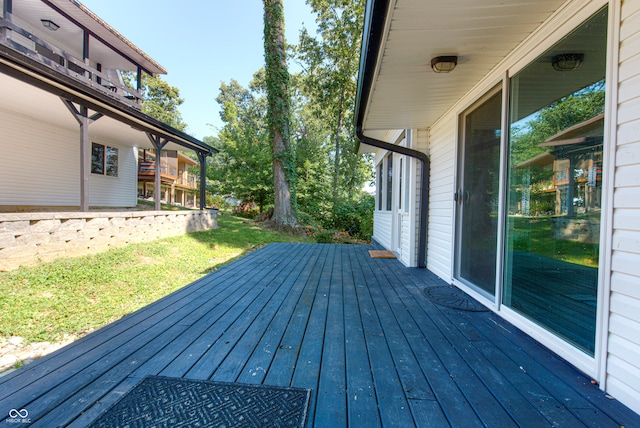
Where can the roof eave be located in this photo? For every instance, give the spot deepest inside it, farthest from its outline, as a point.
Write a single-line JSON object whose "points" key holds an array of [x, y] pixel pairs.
{"points": [[33, 72], [373, 30], [104, 31]]}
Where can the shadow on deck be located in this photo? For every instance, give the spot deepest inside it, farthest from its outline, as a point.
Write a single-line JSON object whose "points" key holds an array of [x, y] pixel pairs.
{"points": [[356, 330]]}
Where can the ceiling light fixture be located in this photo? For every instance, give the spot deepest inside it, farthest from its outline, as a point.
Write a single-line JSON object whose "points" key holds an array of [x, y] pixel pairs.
{"points": [[444, 64], [567, 62], [50, 24]]}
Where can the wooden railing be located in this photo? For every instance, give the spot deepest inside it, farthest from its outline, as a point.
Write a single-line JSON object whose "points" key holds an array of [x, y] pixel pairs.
{"points": [[26, 43], [166, 170], [181, 177], [188, 180]]}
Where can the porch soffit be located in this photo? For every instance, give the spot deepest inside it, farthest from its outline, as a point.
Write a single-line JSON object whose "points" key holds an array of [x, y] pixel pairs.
{"points": [[27, 100], [405, 92]]}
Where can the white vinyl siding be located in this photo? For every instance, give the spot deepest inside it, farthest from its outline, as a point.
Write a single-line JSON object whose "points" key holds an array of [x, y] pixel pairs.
{"points": [[623, 363], [442, 153], [120, 191], [40, 160], [43, 161], [405, 242], [382, 224]]}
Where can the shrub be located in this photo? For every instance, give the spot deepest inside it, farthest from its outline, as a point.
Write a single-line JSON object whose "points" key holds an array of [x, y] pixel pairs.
{"points": [[324, 237], [355, 217]]}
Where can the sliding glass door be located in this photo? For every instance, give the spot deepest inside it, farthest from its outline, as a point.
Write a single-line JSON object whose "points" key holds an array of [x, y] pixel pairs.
{"points": [[477, 195], [554, 189]]}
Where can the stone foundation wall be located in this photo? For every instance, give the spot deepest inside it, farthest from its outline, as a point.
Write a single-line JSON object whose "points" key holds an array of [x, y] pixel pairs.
{"points": [[31, 238]]}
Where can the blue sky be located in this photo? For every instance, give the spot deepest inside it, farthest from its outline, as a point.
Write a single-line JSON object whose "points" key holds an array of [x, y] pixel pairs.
{"points": [[200, 44]]}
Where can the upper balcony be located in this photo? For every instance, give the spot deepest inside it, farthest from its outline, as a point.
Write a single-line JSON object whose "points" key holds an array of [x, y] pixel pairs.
{"points": [[174, 169], [68, 38]]}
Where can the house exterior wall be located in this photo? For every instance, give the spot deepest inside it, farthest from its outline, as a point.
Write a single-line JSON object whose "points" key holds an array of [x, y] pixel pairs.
{"points": [[120, 191], [623, 361], [395, 229], [441, 150], [41, 158], [382, 221], [617, 362], [620, 356], [39, 162]]}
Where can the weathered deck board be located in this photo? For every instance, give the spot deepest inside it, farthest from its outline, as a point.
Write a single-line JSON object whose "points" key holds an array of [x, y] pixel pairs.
{"points": [[356, 330]]}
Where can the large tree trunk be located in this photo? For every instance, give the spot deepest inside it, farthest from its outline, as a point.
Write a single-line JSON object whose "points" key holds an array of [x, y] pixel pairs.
{"points": [[277, 80]]}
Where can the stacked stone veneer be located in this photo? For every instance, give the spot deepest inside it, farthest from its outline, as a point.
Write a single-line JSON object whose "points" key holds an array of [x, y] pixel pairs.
{"points": [[31, 238]]}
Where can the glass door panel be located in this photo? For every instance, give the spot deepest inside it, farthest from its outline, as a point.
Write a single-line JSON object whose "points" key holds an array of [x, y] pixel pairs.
{"points": [[477, 196], [555, 185]]}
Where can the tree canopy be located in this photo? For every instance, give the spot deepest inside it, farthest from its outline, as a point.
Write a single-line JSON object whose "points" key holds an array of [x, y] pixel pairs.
{"points": [[315, 108], [159, 99]]}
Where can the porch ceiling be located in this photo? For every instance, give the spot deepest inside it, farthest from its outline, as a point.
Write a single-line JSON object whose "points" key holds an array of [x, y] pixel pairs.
{"points": [[405, 92], [42, 106]]}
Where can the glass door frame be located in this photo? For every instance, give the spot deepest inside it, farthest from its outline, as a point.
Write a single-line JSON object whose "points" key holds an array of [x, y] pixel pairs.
{"points": [[595, 365], [490, 300]]}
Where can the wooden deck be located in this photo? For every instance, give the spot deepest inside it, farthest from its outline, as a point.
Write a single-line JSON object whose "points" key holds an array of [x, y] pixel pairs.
{"points": [[356, 330]]}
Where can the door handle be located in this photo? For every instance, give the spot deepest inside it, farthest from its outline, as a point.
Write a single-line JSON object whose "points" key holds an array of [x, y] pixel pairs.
{"points": [[461, 196], [457, 196]]}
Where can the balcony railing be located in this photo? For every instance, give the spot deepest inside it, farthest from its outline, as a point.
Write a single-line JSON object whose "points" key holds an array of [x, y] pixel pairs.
{"points": [[189, 180], [50, 55], [166, 170]]}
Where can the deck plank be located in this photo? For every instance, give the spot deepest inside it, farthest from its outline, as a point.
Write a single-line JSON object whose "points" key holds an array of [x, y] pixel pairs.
{"points": [[356, 330], [258, 364], [307, 369], [270, 314], [554, 374], [332, 385], [93, 382], [392, 402], [459, 364], [282, 367], [78, 348], [361, 397], [220, 339]]}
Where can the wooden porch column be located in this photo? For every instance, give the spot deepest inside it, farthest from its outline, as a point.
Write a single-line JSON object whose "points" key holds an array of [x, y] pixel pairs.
{"points": [[158, 144], [84, 120], [202, 158]]}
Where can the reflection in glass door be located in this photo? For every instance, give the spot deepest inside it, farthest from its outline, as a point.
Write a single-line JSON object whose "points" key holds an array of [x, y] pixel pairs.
{"points": [[477, 195], [555, 186]]}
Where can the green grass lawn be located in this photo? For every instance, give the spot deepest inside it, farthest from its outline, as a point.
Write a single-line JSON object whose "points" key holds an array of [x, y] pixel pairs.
{"points": [[72, 296]]}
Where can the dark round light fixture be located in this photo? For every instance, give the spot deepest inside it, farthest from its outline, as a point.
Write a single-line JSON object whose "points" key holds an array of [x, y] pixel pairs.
{"points": [[444, 64], [567, 62], [49, 24]]}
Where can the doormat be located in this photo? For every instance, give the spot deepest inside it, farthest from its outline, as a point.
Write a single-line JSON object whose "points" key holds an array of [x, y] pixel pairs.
{"points": [[381, 254], [159, 401], [451, 296]]}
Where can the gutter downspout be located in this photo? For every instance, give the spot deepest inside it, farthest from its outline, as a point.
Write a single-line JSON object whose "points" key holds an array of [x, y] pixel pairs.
{"points": [[425, 166], [373, 30]]}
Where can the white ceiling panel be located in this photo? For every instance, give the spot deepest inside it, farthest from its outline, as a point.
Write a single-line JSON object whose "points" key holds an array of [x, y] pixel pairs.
{"points": [[406, 93]]}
